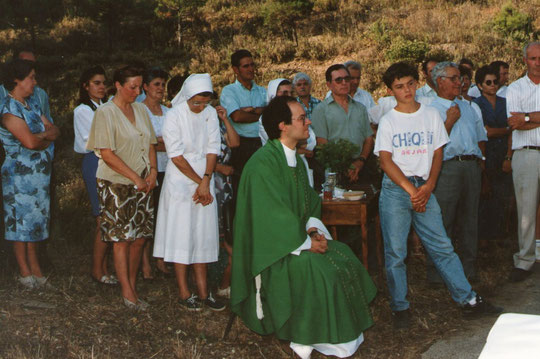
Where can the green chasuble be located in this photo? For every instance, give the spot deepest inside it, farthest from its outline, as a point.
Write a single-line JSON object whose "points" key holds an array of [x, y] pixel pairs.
{"points": [[307, 299]]}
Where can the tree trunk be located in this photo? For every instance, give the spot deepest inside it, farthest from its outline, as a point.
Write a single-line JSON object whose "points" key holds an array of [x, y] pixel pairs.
{"points": [[178, 31]]}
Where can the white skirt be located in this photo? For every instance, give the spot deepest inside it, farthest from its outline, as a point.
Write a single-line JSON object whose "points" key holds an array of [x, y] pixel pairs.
{"points": [[186, 232]]}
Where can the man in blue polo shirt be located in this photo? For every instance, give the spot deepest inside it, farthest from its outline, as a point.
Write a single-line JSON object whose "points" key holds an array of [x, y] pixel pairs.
{"points": [[459, 184], [244, 101]]}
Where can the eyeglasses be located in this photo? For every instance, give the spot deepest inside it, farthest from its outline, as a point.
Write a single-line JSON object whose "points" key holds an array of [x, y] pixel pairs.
{"points": [[301, 118], [339, 80], [200, 104], [454, 78], [489, 82]]}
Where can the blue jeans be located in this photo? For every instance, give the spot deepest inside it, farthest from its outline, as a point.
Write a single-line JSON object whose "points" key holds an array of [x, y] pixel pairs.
{"points": [[396, 217]]}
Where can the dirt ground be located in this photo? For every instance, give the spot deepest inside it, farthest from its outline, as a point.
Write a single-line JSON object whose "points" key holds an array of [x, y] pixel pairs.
{"points": [[82, 319]]}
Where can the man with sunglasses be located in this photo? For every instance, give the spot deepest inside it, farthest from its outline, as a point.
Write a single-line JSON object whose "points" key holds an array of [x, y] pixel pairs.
{"points": [[244, 101], [458, 186], [523, 106], [341, 117]]}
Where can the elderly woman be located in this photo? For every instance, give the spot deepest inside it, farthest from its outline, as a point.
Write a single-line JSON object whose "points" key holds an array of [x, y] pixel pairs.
{"points": [[154, 81], [494, 206], [123, 138], [91, 93], [302, 86], [27, 136], [187, 224]]}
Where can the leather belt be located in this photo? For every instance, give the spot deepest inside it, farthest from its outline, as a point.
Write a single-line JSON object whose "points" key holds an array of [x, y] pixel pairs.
{"points": [[531, 148], [464, 158]]}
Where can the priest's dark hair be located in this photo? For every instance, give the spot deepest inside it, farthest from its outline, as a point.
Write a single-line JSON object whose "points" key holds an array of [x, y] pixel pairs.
{"points": [[277, 111]]}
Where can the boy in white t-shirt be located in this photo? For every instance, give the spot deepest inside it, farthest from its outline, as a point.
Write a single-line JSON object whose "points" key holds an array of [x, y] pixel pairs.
{"points": [[410, 144]]}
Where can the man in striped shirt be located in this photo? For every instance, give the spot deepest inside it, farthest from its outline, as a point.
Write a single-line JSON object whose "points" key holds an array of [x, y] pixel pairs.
{"points": [[523, 106]]}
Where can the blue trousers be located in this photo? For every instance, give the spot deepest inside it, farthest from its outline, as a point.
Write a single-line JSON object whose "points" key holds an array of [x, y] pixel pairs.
{"points": [[397, 215]]}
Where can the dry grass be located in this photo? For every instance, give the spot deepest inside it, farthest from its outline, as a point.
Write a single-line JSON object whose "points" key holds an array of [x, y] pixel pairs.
{"points": [[89, 321]]}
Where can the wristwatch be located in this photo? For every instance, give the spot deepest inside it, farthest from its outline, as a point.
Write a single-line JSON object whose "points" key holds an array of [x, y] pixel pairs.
{"points": [[527, 117]]}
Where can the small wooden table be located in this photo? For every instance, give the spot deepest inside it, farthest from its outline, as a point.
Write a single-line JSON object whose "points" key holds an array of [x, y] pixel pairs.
{"points": [[341, 212]]}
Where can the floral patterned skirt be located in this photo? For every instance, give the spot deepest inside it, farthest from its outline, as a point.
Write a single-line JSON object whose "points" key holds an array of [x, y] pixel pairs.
{"points": [[126, 214], [26, 177]]}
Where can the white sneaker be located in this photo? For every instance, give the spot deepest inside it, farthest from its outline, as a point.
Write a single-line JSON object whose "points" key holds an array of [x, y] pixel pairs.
{"points": [[225, 292], [538, 250], [29, 282], [43, 283]]}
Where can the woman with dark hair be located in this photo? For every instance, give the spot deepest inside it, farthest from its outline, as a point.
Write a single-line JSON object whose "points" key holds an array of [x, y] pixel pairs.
{"points": [[27, 136], [154, 81], [123, 138], [92, 91], [498, 179], [187, 223]]}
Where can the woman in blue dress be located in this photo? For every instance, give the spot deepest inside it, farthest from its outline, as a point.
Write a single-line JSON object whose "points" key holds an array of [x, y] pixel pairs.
{"points": [[27, 137]]}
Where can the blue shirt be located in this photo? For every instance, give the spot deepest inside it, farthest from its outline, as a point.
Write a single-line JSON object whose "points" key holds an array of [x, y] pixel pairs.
{"points": [[493, 117], [311, 105], [235, 96], [39, 97], [466, 132]]}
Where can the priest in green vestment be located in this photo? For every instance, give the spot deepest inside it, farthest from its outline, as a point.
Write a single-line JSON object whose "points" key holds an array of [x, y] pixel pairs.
{"points": [[288, 277]]}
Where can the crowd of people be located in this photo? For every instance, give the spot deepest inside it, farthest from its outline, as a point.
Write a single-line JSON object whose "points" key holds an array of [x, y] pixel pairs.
{"points": [[179, 182]]}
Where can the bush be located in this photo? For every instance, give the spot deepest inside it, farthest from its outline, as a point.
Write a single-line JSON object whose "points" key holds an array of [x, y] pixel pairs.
{"points": [[337, 156], [407, 50], [514, 24]]}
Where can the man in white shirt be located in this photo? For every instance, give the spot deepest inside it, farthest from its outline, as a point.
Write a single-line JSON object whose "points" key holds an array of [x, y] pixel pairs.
{"points": [[504, 69], [523, 106], [428, 90]]}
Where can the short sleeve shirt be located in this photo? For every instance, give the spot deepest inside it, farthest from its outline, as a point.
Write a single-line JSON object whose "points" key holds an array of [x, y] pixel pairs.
{"points": [[235, 96], [466, 132], [112, 130], [157, 123], [411, 138], [330, 121], [523, 96]]}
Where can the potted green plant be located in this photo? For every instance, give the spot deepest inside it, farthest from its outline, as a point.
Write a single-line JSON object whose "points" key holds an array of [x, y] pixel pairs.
{"points": [[337, 156]]}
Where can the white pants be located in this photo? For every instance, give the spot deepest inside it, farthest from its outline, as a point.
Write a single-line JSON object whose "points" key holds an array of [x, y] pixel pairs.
{"points": [[526, 175]]}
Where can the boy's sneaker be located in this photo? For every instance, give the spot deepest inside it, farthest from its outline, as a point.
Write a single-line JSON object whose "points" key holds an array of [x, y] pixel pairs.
{"points": [[193, 303], [214, 304], [480, 308], [402, 319]]}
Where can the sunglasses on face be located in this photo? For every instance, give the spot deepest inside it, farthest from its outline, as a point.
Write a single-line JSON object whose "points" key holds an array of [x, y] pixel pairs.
{"points": [[489, 82], [339, 80]]}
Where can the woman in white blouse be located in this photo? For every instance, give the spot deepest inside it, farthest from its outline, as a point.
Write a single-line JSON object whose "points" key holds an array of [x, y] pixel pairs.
{"points": [[154, 81], [92, 90]]}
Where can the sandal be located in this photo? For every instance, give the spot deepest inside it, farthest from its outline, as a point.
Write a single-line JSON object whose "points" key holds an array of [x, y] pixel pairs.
{"points": [[105, 280]]}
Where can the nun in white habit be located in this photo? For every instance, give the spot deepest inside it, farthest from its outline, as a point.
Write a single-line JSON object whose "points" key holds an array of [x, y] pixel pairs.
{"points": [[283, 87], [187, 223]]}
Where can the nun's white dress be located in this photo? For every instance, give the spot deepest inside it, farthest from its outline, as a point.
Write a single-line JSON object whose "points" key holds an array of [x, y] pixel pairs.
{"points": [[187, 232]]}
